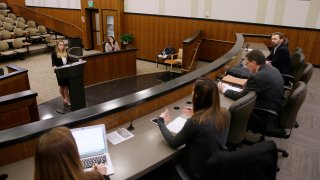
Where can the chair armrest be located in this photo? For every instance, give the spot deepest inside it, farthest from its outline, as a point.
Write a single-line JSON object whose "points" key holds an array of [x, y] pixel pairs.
{"points": [[172, 55], [288, 76], [287, 88], [267, 110], [182, 173]]}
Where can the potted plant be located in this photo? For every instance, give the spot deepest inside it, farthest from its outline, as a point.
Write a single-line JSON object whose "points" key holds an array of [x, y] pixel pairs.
{"points": [[126, 38]]}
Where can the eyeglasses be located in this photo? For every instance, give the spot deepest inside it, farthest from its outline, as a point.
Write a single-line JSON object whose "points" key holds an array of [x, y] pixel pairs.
{"points": [[246, 62]]}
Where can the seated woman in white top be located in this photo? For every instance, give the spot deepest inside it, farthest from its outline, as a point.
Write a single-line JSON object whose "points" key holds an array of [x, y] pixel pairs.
{"points": [[111, 45]]}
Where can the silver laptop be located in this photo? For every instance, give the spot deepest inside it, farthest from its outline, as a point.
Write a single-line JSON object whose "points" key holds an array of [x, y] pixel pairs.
{"points": [[92, 146]]}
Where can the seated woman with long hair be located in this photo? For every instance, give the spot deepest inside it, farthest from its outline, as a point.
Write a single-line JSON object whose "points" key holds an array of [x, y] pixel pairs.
{"points": [[57, 158], [204, 132]]}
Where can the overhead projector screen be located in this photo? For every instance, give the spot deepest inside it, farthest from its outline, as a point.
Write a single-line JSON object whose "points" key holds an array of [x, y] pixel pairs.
{"points": [[65, 4]]}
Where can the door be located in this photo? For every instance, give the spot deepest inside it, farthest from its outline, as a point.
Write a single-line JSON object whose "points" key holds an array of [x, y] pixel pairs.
{"points": [[110, 24], [96, 36]]}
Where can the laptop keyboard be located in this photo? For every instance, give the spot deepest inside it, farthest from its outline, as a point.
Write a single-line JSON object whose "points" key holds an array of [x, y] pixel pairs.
{"points": [[89, 162]]}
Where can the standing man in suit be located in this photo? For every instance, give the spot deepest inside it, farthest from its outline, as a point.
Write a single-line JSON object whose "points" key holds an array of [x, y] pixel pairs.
{"points": [[267, 82], [280, 56]]}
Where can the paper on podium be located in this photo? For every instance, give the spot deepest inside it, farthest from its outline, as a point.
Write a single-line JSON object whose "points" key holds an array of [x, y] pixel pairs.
{"points": [[234, 80], [176, 125]]}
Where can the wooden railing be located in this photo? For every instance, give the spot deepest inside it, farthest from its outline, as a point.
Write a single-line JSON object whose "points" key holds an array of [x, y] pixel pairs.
{"points": [[50, 22], [211, 49], [190, 52]]}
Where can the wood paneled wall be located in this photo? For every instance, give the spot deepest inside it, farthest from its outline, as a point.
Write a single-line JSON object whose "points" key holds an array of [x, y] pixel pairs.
{"points": [[153, 33], [72, 16]]}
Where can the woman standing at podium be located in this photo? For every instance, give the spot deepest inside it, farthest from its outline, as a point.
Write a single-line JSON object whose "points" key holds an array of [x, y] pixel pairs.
{"points": [[204, 132], [59, 58]]}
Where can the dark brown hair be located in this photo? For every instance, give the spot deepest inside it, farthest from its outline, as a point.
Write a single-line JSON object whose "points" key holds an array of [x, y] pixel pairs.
{"points": [[57, 157], [257, 56], [280, 34], [206, 104]]}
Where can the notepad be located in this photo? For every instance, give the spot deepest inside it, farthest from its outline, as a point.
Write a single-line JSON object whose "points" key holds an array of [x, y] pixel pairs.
{"points": [[234, 80], [176, 125]]}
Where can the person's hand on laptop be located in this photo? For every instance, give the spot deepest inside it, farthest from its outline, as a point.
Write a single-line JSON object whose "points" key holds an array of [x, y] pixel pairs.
{"points": [[100, 168]]}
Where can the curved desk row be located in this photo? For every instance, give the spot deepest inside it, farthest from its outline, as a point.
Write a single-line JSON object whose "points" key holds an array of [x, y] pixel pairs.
{"points": [[15, 81], [20, 141]]}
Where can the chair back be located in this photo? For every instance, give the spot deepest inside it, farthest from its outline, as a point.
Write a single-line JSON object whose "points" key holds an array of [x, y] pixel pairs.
{"points": [[103, 45], [31, 24], [3, 6], [2, 18], [4, 13], [18, 32], [306, 73], [9, 20], [5, 34], [1, 71], [240, 112], [288, 115], [21, 25], [3, 46], [297, 60], [42, 29], [256, 162], [32, 31], [12, 16], [17, 43], [8, 26], [21, 19], [180, 53]]}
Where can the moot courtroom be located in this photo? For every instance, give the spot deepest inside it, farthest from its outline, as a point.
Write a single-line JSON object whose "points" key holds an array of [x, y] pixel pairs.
{"points": [[161, 89]]}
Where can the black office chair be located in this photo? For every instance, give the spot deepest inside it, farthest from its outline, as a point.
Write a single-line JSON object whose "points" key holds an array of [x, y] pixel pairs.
{"points": [[306, 73], [297, 61], [1, 71], [240, 112], [256, 162], [288, 115]]}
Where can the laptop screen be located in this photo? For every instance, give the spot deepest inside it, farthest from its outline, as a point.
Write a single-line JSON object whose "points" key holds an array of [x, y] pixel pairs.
{"points": [[90, 140]]}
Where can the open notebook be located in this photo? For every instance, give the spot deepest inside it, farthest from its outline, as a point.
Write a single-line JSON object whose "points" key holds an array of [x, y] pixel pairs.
{"points": [[176, 125], [92, 146]]}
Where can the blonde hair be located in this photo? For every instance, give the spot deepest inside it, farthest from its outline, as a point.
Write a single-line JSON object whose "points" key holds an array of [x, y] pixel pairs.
{"points": [[57, 157], [63, 53]]}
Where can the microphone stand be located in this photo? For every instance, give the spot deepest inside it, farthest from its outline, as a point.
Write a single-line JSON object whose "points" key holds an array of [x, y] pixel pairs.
{"points": [[130, 128]]}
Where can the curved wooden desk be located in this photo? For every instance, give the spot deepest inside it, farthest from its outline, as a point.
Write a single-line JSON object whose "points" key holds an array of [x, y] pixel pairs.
{"points": [[20, 140]]}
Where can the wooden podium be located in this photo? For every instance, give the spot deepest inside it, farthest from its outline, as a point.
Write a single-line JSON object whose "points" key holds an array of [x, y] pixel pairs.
{"points": [[74, 72]]}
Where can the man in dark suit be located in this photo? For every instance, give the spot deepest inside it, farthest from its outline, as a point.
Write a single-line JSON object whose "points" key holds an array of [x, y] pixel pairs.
{"points": [[268, 84], [280, 56]]}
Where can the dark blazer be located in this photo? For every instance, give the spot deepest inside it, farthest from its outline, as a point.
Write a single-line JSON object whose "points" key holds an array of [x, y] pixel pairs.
{"points": [[281, 59], [268, 85], [58, 61], [201, 140]]}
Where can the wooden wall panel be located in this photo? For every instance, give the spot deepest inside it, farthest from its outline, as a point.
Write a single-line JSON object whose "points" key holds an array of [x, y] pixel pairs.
{"points": [[153, 33], [69, 15]]}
